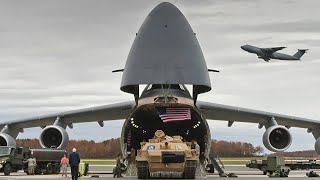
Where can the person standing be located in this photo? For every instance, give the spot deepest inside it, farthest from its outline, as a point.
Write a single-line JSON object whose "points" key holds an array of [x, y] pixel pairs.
{"points": [[195, 145], [31, 165], [133, 155], [64, 165], [197, 148], [74, 160]]}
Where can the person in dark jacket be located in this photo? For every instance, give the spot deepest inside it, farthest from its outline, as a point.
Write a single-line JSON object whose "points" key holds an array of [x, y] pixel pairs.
{"points": [[74, 160]]}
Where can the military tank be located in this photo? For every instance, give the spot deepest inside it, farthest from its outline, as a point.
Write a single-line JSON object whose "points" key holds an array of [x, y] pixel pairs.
{"points": [[166, 157]]}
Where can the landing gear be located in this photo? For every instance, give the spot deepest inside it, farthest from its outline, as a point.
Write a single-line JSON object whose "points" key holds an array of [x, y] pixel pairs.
{"points": [[49, 168], [190, 170], [210, 168], [143, 169]]}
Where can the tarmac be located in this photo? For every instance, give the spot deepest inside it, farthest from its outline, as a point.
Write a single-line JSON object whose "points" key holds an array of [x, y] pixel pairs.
{"points": [[104, 172]]}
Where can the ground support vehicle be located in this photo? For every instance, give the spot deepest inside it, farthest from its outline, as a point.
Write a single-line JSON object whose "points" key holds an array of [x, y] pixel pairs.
{"points": [[303, 165], [271, 165], [292, 164], [166, 157], [48, 160], [13, 159]]}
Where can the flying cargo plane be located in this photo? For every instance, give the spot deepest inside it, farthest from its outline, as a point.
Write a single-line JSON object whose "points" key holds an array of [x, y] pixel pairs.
{"points": [[165, 56], [271, 53]]}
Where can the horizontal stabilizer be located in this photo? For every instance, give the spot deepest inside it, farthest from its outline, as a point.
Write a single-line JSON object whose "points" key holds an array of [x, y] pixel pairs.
{"points": [[213, 70], [118, 70]]}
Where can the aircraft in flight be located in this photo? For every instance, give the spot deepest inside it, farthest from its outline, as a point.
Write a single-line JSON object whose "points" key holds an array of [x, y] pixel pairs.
{"points": [[166, 57], [271, 53]]}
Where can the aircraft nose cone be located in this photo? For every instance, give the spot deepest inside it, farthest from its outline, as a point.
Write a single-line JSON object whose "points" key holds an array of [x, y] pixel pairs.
{"points": [[165, 9], [165, 51], [245, 48]]}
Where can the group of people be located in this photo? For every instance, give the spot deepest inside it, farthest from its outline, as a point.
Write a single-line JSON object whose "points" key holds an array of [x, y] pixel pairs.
{"points": [[73, 162]]}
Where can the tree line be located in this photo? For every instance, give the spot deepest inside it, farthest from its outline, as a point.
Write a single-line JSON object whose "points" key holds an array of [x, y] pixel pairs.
{"points": [[306, 153], [234, 149], [111, 148], [87, 149]]}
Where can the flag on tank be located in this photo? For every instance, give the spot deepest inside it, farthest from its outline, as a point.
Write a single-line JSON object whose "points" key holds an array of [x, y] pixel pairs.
{"points": [[174, 114]]}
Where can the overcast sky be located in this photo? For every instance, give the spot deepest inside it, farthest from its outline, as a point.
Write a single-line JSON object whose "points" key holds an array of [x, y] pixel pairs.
{"points": [[58, 55]]}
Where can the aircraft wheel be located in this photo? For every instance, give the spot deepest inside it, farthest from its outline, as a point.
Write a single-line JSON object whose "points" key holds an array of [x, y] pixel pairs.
{"points": [[143, 170], [211, 168], [49, 168], [190, 170], [56, 169]]}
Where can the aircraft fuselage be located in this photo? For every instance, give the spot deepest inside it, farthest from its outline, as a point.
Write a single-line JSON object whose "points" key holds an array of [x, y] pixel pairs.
{"points": [[144, 119], [267, 55]]}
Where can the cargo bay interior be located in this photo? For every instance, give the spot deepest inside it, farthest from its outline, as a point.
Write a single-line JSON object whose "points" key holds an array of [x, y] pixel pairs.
{"points": [[146, 121]]}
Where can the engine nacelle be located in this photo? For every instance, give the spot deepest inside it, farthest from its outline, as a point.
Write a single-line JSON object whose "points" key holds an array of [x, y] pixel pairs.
{"points": [[7, 140], [54, 136], [277, 138]]}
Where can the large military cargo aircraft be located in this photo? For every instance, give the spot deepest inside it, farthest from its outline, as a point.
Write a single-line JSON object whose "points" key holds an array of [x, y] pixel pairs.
{"points": [[271, 53], [165, 56]]}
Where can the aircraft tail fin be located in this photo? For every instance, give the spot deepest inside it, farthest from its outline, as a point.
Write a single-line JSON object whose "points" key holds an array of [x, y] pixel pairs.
{"points": [[300, 53]]}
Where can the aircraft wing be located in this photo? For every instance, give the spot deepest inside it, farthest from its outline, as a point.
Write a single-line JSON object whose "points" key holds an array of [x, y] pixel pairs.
{"points": [[231, 113], [99, 113], [272, 49]]}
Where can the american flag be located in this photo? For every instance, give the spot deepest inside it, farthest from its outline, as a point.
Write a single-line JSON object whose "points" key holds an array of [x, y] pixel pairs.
{"points": [[174, 114]]}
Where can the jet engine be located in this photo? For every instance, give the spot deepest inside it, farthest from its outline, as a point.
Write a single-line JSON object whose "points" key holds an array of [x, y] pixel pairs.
{"points": [[277, 138], [54, 136], [6, 140]]}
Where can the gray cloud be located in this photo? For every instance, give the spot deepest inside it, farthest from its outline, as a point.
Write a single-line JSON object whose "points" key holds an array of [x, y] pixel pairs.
{"points": [[58, 55]]}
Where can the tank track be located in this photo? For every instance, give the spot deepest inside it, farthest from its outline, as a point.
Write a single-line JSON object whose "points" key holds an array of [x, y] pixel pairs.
{"points": [[143, 170], [190, 169]]}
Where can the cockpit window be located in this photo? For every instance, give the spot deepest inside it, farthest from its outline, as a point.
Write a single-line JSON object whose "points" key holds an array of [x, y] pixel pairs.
{"points": [[166, 86]]}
